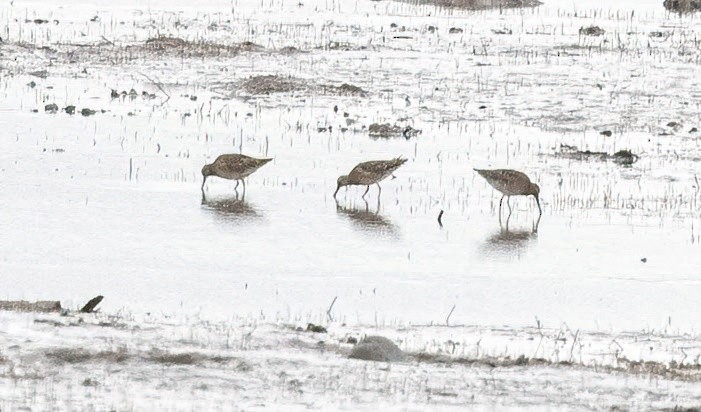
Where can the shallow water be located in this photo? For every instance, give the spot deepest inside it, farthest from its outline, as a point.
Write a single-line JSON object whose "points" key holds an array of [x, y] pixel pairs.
{"points": [[117, 209]]}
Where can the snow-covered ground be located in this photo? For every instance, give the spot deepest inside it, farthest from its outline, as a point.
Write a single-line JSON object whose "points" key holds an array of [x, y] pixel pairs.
{"points": [[109, 203], [123, 362]]}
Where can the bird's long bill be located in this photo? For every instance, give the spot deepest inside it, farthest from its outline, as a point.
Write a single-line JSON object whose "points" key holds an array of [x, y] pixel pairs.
{"points": [[537, 201], [337, 189]]}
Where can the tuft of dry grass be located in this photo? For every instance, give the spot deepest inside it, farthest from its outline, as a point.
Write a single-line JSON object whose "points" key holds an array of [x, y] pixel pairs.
{"points": [[478, 4], [673, 371]]}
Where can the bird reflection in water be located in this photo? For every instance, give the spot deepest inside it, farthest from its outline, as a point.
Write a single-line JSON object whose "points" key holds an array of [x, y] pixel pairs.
{"points": [[511, 242], [369, 221], [505, 227], [231, 209]]}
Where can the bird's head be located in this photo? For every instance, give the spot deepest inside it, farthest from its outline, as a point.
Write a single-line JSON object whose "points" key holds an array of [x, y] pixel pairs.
{"points": [[207, 171], [342, 181], [535, 190]]}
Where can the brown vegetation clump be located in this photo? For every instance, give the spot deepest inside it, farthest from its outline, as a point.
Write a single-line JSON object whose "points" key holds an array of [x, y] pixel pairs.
{"points": [[164, 45], [624, 157], [24, 306], [344, 90], [479, 4], [592, 31], [684, 6], [268, 84], [386, 131]]}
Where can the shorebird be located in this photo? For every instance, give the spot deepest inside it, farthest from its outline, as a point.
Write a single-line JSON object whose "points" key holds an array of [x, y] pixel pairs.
{"points": [[232, 167], [369, 173], [511, 183]]}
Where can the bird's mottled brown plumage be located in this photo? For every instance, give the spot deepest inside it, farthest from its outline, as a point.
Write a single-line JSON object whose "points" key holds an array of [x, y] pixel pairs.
{"points": [[511, 183], [369, 173], [232, 167]]}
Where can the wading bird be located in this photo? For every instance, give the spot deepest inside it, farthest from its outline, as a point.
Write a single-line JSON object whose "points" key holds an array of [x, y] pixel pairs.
{"points": [[511, 183], [232, 167], [369, 173]]}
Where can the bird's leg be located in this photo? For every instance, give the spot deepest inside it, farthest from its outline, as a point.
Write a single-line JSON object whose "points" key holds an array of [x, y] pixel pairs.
{"points": [[366, 191], [244, 185], [500, 201], [508, 203], [379, 190], [537, 223]]}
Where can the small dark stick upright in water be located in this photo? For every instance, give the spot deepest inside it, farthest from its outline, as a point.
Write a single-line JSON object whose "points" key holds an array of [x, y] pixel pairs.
{"points": [[232, 167], [369, 173], [511, 183]]}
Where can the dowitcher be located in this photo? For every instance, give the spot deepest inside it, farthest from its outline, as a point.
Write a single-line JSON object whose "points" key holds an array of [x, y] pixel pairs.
{"points": [[369, 173], [511, 183], [232, 167]]}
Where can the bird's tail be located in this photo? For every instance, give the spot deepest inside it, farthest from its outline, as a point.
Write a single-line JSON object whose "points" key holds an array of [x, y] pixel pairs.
{"points": [[399, 161]]}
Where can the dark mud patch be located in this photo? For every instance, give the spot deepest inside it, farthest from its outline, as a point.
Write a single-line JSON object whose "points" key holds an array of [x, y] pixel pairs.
{"points": [[592, 31], [80, 355], [623, 157], [379, 349], [71, 355], [477, 4], [41, 306], [316, 328]]}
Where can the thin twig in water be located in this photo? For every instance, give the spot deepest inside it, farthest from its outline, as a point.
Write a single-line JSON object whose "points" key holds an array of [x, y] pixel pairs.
{"points": [[447, 320], [157, 84], [328, 312], [440, 216], [576, 334]]}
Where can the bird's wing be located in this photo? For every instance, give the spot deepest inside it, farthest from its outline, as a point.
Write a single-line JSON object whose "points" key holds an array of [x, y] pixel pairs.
{"points": [[232, 162], [379, 167], [505, 179]]}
